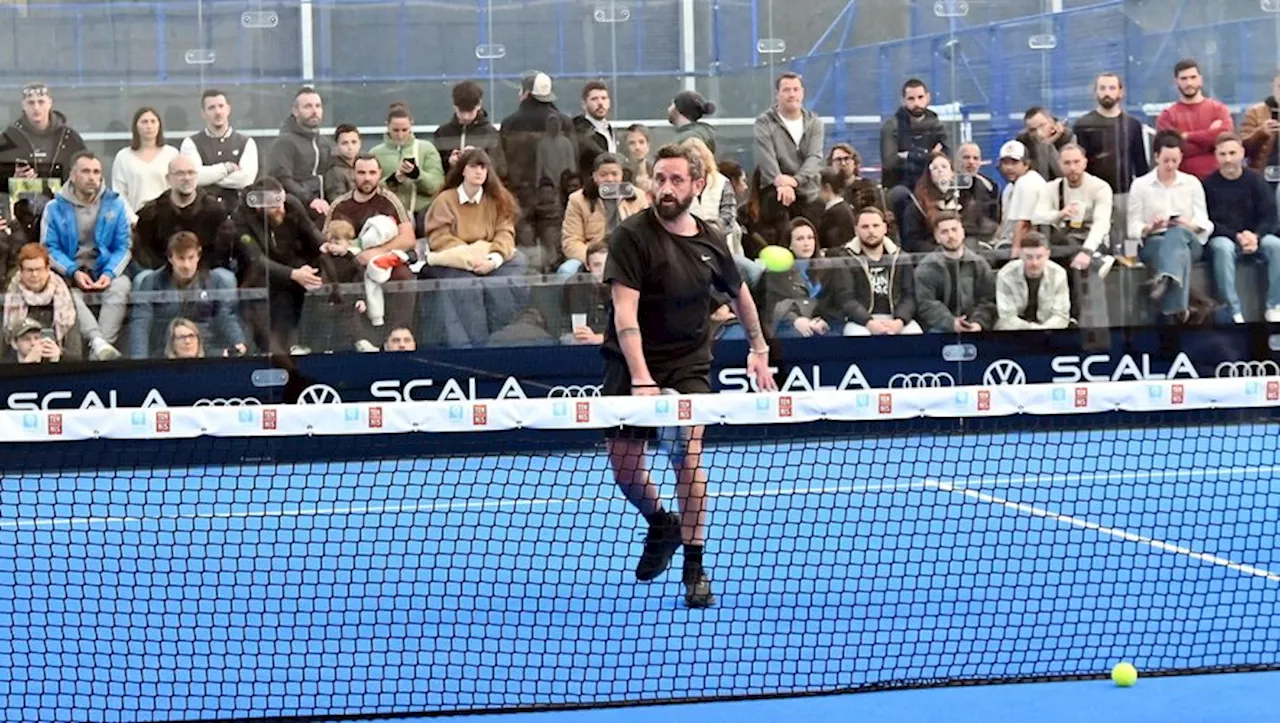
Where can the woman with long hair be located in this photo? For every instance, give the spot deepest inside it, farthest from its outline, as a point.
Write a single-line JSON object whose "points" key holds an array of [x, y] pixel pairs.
{"points": [[139, 171], [471, 229], [793, 298], [935, 193]]}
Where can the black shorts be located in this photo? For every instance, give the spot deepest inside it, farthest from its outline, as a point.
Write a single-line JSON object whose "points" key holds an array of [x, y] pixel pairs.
{"points": [[617, 383]]}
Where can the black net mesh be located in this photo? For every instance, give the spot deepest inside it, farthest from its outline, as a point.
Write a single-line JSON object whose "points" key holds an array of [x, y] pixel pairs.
{"points": [[428, 574]]}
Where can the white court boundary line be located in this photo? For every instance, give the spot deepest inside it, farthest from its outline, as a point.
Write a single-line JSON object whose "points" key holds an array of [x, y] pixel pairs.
{"points": [[956, 486], [1108, 531]]}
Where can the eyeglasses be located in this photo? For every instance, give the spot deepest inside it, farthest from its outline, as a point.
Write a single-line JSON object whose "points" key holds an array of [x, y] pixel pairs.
{"points": [[842, 159], [185, 336]]}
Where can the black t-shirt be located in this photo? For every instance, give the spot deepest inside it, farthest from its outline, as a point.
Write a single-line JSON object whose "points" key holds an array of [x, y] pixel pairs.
{"points": [[878, 270], [1032, 312], [675, 276]]}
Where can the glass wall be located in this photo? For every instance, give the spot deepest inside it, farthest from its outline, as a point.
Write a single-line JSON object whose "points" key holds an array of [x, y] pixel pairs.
{"points": [[77, 74]]}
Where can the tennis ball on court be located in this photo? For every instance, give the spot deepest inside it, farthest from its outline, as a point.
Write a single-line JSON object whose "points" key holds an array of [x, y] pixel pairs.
{"points": [[1124, 674], [776, 258]]}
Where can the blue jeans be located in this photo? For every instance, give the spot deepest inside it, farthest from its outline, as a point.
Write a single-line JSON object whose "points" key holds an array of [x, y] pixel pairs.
{"points": [[1171, 254], [1226, 252]]}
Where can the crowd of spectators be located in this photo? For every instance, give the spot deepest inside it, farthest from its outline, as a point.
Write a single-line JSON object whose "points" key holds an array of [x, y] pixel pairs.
{"points": [[213, 248]]}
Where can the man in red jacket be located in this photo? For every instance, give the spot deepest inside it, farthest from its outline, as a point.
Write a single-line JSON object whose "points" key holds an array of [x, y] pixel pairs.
{"points": [[1200, 120]]}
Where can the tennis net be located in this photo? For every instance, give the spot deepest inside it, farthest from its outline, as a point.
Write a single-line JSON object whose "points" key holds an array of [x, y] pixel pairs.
{"points": [[433, 558]]}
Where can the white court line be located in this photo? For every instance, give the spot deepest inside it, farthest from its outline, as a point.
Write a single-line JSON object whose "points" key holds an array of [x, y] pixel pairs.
{"points": [[953, 485], [1110, 531], [1133, 475], [395, 508]]}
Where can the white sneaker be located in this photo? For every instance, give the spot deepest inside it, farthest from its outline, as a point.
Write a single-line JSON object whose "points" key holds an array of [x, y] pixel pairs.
{"points": [[366, 346], [1273, 314], [299, 350], [1238, 318], [100, 350]]}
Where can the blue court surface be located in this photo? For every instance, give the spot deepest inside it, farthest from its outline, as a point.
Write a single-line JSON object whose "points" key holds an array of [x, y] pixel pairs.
{"points": [[484, 583]]}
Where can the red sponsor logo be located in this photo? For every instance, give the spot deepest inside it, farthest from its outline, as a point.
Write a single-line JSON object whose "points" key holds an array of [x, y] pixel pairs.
{"points": [[984, 400], [582, 412], [479, 415], [1082, 397], [55, 424], [1177, 394], [886, 404], [684, 409], [268, 419], [785, 408], [1273, 391], [164, 422], [375, 417]]}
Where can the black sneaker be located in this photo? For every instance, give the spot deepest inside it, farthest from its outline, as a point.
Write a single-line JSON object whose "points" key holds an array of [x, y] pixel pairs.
{"points": [[697, 593], [660, 544]]}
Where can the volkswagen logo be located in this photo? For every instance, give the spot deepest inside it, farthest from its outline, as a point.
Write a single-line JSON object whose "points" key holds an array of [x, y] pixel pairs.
{"points": [[229, 402], [1004, 372], [578, 391], [922, 380], [1231, 370], [319, 394]]}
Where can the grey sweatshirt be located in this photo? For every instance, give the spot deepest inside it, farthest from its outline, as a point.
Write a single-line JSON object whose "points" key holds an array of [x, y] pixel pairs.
{"points": [[777, 151]]}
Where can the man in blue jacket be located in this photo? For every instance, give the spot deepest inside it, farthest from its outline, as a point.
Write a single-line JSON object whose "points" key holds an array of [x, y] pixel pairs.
{"points": [[86, 229]]}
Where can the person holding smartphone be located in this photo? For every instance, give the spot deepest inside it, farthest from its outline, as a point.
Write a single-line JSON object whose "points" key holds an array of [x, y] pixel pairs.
{"points": [[1168, 211], [33, 344], [411, 166], [1259, 129], [40, 142]]}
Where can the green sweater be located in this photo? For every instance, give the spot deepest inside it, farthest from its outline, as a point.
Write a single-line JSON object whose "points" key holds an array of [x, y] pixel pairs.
{"points": [[416, 195]]}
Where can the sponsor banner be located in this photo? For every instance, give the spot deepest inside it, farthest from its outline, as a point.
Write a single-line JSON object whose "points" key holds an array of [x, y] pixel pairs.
{"points": [[1012, 359], [661, 411]]}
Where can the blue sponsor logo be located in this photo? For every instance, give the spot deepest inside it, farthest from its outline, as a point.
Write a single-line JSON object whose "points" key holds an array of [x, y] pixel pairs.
{"points": [[246, 416], [962, 399], [30, 422], [455, 413], [764, 406], [1059, 399], [662, 406], [1155, 391], [1253, 389], [352, 414], [138, 419], [559, 409], [863, 401]]}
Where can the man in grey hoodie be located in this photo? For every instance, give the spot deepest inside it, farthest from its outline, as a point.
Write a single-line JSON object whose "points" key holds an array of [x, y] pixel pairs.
{"points": [[300, 156], [788, 145], [86, 230]]}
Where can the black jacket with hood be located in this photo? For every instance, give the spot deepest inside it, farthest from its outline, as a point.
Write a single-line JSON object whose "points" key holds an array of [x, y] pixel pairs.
{"points": [[298, 159], [49, 152]]}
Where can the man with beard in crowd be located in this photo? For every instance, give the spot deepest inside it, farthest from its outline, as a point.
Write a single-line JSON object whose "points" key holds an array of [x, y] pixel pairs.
{"points": [[1113, 145], [1197, 118]]}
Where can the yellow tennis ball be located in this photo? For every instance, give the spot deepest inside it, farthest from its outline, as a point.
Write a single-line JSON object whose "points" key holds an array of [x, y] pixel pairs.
{"points": [[776, 258], [1124, 674]]}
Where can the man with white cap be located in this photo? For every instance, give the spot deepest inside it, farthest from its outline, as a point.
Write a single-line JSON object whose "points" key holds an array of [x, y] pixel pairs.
{"points": [[1020, 196], [537, 141]]}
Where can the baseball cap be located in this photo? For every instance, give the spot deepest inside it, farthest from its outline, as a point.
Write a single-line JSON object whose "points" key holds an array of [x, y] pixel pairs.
{"points": [[1015, 150], [23, 326], [538, 85]]}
